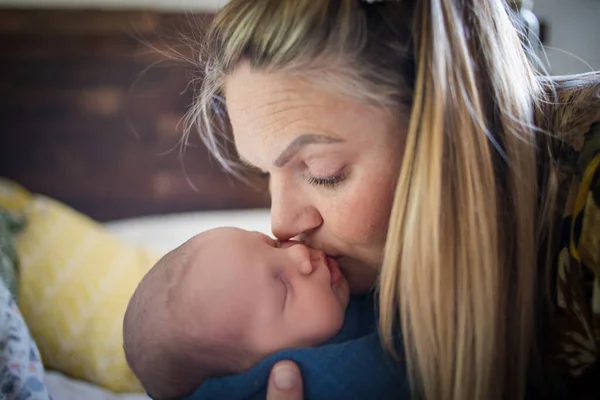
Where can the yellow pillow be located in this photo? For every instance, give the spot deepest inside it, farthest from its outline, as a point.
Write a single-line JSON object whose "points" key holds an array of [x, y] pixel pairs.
{"points": [[13, 197], [76, 281]]}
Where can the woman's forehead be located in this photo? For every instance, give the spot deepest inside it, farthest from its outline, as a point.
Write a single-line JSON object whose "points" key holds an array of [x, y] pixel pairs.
{"points": [[262, 103], [256, 83], [269, 114]]}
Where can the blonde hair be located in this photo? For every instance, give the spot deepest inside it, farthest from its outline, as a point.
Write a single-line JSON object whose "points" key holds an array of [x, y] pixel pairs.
{"points": [[459, 271]]}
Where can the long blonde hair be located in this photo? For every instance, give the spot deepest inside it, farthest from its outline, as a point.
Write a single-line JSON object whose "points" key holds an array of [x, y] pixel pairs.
{"points": [[459, 271]]}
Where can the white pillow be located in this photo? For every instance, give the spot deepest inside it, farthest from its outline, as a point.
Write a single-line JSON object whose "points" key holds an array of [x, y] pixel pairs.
{"points": [[62, 387], [163, 233]]}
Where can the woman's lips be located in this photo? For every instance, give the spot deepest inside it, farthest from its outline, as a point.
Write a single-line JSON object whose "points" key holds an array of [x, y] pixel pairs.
{"points": [[335, 272]]}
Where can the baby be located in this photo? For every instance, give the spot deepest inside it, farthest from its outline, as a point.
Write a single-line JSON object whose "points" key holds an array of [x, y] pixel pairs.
{"points": [[224, 301]]}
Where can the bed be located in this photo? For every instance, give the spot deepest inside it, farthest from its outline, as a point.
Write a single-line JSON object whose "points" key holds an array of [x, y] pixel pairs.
{"points": [[162, 233], [91, 125], [157, 233]]}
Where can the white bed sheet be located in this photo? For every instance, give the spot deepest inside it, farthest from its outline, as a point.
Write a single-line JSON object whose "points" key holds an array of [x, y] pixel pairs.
{"points": [[62, 387], [161, 233], [165, 232]]}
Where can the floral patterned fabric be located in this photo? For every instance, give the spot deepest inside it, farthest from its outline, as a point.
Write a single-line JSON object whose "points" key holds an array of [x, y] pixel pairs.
{"points": [[573, 340], [21, 370], [9, 264]]}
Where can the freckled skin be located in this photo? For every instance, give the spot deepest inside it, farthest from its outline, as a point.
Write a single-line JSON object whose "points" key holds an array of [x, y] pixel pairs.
{"points": [[348, 219]]}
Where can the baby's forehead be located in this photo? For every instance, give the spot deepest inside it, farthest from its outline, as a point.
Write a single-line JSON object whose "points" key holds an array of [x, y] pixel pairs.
{"points": [[228, 262], [232, 281], [224, 255], [229, 233], [226, 278], [231, 237]]}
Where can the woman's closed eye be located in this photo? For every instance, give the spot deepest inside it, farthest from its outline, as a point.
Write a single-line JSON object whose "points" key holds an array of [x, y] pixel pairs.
{"points": [[325, 180], [325, 172], [330, 181]]}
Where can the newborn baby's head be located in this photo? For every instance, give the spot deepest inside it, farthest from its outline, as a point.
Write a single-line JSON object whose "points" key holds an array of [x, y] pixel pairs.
{"points": [[223, 301]]}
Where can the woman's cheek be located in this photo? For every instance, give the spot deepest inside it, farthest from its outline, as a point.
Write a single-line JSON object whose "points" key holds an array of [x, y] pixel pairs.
{"points": [[363, 217]]}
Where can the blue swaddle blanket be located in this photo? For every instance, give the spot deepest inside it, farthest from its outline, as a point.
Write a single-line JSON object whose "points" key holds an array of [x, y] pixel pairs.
{"points": [[353, 365]]}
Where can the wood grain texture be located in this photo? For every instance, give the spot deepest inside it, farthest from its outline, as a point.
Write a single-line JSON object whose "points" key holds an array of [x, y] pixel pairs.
{"points": [[91, 114]]}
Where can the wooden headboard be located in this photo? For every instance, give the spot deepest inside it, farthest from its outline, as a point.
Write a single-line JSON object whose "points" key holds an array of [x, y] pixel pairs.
{"points": [[89, 119]]}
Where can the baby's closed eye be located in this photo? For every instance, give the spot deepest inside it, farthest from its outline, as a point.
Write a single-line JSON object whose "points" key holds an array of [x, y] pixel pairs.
{"points": [[284, 284]]}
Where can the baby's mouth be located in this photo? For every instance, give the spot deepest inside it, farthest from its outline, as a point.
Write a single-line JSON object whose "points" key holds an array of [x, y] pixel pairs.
{"points": [[334, 270]]}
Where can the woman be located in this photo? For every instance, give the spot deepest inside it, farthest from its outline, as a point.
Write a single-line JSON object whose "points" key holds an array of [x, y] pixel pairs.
{"points": [[415, 141]]}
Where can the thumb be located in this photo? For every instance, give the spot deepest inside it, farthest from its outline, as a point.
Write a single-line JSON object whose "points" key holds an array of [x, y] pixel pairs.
{"points": [[285, 382]]}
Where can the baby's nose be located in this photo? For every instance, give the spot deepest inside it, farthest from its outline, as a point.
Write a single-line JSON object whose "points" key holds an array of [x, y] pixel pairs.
{"points": [[305, 258], [306, 266], [315, 260]]}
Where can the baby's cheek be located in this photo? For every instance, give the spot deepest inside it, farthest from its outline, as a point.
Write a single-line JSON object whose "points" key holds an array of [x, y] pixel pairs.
{"points": [[318, 323], [331, 321]]}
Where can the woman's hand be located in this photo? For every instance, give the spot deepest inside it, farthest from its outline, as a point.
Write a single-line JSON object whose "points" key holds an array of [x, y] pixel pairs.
{"points": [[285, 382]]}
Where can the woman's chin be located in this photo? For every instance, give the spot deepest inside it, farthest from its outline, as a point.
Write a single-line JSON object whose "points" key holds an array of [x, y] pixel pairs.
{"points": [[360, 276]]}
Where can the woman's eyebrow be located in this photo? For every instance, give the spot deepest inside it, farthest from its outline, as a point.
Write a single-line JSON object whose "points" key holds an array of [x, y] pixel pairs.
{"points": [[298, 143]]}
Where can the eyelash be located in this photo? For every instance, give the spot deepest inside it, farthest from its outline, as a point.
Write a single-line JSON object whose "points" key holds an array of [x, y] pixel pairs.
{"points": [[328, 181]]}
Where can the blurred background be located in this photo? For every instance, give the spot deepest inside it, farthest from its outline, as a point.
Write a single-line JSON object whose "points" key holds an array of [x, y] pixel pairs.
{"points": [[92, 113]]}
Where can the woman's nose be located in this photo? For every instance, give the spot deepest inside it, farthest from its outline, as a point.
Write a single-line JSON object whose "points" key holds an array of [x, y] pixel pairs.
{"points": [[291, 215]]}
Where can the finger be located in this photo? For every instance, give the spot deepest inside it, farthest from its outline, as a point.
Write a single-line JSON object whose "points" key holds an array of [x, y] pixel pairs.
{"points": [[285, 382]]}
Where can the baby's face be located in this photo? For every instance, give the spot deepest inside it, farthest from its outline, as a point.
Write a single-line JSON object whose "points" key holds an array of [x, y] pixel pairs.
{"points": [[269, 298]]}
